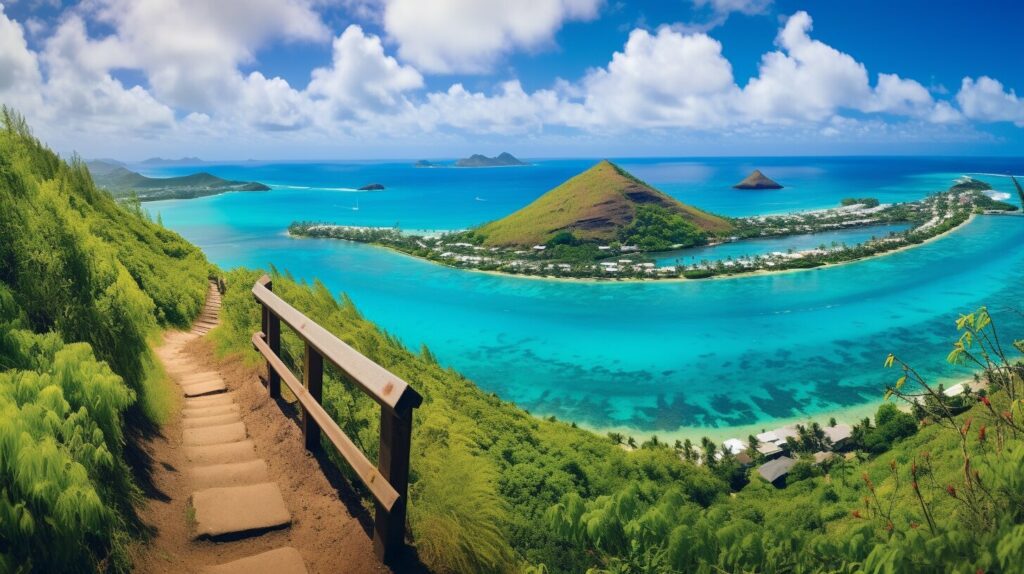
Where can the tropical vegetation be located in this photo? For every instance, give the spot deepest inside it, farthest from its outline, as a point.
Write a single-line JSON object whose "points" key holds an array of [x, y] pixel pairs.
{"points": [[85, 284]]}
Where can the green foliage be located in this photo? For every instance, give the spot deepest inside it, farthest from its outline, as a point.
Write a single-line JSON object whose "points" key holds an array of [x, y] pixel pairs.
{"points": [[484, 472], [84, 283], [865, 201], [655, 228]]}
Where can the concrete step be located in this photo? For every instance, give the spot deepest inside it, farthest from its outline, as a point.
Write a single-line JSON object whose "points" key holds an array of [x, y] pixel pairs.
{"points": [[220, 434], [229, 474], [200, 389], [210, 421], [210, 401], [200, 412], [239, 510], [222, 453], [285, 560]]}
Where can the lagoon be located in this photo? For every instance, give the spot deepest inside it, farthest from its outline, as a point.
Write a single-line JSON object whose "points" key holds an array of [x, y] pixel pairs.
{"points": [[644, 356]]}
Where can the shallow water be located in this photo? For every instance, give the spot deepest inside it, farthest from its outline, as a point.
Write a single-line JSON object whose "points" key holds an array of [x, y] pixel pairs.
{"points": [[647, 356]]}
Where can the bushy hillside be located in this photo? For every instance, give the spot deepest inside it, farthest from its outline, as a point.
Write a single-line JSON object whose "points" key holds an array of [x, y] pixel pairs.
{"points": [[496, 489], [597, 205], [85, 282]]}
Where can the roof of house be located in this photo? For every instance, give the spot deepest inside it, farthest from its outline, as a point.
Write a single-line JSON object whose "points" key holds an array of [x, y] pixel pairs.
{"points": [[822, 456], [838, 433], [768, 448], [735, 445], [776, 469], [744, 459]]}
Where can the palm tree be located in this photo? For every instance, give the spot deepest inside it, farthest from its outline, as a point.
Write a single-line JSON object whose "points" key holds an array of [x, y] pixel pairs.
{"points": [[689, 453], [709, 451], [841, 467], [616, 438]]}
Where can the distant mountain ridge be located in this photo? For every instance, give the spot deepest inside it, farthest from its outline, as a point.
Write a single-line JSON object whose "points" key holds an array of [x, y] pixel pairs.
{"points": [[122, 182], [180, 161], [594, 206], [480, 160]]}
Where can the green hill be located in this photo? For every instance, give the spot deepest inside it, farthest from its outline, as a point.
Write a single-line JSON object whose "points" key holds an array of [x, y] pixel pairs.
{"points": [[85, 283], [598, 205], [122, 182]]}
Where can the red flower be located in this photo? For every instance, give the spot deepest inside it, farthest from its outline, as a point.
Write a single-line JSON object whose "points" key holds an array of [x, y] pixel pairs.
{"points": [[856, 514], [913, 484], [986, 402], [914, 525], [981, 434], [951, 490], [967, 425]]}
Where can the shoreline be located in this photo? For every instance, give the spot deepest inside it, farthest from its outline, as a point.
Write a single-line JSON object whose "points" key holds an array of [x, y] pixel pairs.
{"points": [[623, 280], [844, 415]]}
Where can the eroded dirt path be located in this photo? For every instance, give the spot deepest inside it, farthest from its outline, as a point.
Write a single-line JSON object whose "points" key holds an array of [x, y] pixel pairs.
{"points": [[234, 490]]}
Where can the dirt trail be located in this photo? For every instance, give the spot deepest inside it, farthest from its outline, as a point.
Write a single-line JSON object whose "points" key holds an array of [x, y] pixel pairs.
{"points": [[234, 490]]}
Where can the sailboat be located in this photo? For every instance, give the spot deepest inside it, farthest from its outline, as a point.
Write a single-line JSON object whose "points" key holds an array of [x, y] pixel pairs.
{"points": [[356, 208]]}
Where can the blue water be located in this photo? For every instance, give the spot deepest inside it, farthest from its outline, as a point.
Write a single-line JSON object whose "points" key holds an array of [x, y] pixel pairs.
{"points": [[764, 246], [650, 356]]}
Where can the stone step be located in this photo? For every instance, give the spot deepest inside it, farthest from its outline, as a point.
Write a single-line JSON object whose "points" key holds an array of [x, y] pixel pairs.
{"points": [[230, 474], [210, 421], [200, 389], [285, 560], [239, 510], [220, 434], [222, 453], [210, 401], [200, 412], [197, 376]]}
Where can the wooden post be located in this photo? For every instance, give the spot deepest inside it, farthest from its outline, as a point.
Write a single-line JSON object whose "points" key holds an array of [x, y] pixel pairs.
{"points": [[313, 373], [272, 327], [393, 464]]}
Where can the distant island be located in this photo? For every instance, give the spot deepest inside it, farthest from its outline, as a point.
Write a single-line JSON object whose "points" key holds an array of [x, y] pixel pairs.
{"points": [[757, 180], [180, 161], [372, 187], [478, 160], [606, 224], [122, 182], [424, 163]]}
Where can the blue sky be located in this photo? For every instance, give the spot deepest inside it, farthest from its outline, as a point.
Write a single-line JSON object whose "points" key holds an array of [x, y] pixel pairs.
{"points": [[293, 79]]}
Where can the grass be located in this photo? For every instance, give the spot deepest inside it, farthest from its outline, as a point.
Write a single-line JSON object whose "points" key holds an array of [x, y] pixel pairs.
{"points": [[595, 205]]}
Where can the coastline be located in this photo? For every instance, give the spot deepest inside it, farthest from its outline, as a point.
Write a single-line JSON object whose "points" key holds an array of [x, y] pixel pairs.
{"points": [[848, 415], [604, 281]]}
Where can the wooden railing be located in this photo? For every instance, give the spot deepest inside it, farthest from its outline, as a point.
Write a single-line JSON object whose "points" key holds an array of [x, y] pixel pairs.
{"points": [[388, 480]]}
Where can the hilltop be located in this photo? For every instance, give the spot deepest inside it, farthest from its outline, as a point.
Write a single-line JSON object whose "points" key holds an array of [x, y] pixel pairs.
{"points": [[598, 205], [479, 160], [121, 182]]}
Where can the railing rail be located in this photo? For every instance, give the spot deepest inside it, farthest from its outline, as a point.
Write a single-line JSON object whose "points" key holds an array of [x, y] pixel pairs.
{"points": [[387, 481]]}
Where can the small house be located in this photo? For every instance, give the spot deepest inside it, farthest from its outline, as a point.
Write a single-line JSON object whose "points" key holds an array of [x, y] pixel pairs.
{"points": [[775, 471]]}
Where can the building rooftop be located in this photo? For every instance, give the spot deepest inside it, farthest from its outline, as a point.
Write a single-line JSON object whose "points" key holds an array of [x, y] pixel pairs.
{"points": [[776, 469]]}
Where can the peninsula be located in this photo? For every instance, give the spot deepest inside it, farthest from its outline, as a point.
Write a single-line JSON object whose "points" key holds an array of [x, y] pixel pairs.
{"points": [[122, 182], [504, 159], [606, 224]]}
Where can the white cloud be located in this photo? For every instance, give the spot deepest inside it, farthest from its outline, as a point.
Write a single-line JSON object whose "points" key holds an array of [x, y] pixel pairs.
{"points": [[742, 6], [190, 49], [20, 79], [362, 79], [662, 80], [986, 99], [510, 111], [450, 36]]}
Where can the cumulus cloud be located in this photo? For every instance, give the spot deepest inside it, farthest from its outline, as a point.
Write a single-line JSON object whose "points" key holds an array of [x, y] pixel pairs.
{"points": [[362, 79], [20, 79], [663, 80], [986, 99], [742, 6], [450, 36], [190, 50]]}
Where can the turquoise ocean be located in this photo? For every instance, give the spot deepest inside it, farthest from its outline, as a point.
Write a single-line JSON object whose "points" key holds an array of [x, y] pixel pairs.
{"points": [[651, 356]]}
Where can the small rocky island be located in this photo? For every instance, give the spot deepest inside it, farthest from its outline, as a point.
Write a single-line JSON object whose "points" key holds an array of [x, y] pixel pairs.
{"points": [[423, 163], [478, 160], [757, 180], [372, 187]]}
